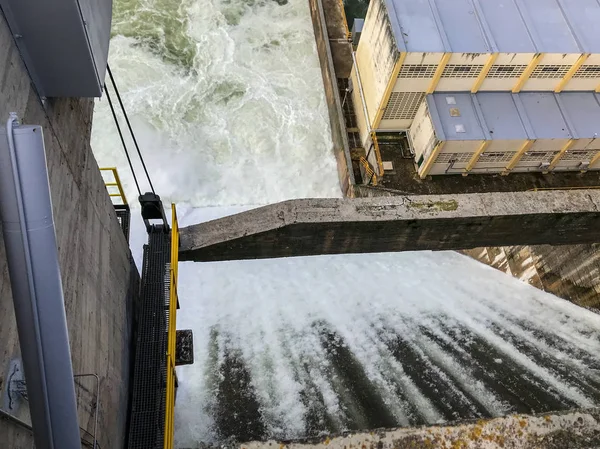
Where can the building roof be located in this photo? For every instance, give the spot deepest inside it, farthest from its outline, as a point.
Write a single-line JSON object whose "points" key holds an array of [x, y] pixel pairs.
{"points": [[505, 26], [503, 115]]}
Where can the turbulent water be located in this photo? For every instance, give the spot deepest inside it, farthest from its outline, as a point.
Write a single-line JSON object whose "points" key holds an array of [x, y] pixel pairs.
{"points": [[227, 102]]}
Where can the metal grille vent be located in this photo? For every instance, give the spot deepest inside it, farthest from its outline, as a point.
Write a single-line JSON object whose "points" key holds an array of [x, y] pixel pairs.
{"points": [[417, 71], [497, 156], [588, 71], [579, 155], [462, 71], [403, 105], [539, 156], [506, 71], [550, 71], [444, 158]]}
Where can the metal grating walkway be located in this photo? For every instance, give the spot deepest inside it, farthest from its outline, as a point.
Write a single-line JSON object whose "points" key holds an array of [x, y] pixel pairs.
{"points": [[147, 424]]}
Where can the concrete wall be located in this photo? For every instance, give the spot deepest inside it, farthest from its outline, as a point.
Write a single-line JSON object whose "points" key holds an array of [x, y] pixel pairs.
{"points": [[94, 257], [336, 118], [570, 272]]}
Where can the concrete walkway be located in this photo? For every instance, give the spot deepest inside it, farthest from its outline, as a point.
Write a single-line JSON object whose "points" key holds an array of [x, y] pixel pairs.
{"points": [[402, 223]]}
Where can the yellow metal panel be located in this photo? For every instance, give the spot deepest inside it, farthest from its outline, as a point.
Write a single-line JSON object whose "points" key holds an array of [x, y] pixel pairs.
{"points": [[527, 73], [560, 154], [484, 71], [478, 153], [432, 157], [388, 90], [438, 73], [593, 161], [517, 157], [571, 72], [171, 333]]}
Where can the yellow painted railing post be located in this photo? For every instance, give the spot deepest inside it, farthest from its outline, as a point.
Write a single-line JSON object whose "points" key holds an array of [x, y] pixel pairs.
{"points": [[517, 157], [431, 160], [571, 72], [116, 183], [438, 73], [560, 154], [527, 72], [171, 333], [388, 90], [475, 158], [377, 153], [484, 72]]}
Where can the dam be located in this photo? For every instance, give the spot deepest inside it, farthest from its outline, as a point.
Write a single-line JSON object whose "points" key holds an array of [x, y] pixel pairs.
{"points": [[229, 106]]}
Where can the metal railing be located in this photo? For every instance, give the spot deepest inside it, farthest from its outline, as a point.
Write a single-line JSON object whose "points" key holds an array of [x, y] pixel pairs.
{"points": [[171, 332], [377, 154], [115, 183], [368, 171]]}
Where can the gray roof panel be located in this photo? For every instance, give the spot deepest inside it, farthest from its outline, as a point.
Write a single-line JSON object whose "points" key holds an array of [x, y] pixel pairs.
{"points": [[418, 26], [498, 14], [545, 115], [508, 26], [583, 112], [501, 116], [584, 18], [448, 105], [548, 26], [461, 25], [507, 116]]}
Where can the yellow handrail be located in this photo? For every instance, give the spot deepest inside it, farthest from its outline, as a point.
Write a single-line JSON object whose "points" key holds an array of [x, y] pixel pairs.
{"points": [[116, 183], [368, 170], [377, 153], [172, 326]]}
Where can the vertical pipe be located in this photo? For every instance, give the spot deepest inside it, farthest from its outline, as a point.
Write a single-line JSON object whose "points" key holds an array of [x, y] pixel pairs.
{"points": [[32, 256]]}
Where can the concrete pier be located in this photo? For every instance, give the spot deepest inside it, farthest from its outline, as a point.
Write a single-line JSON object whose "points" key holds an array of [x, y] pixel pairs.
{"points": [[99, 279], [398, 223]]}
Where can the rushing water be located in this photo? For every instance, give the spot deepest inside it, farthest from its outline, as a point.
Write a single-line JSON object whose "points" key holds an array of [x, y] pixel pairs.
{"points": [[227, 102]]}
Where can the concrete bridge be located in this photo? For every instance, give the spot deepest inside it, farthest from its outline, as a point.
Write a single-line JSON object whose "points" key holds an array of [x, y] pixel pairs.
{"points": [[400, 223]]}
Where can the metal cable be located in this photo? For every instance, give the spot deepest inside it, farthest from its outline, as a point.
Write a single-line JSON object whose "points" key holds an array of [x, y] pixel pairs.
{"points": [[129, 126], [122, 139]]}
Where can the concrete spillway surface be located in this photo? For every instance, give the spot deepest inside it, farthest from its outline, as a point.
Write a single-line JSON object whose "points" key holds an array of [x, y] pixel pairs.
{"points": [[291, 350]]}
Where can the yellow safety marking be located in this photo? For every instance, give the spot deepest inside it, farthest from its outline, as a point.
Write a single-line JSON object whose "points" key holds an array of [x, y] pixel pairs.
{"points": [[571, 72], [388, 90], [377, 153], [171, 333], [348, 33], [432, 158], [438, 73], [484, 72], [517, 157], [527, 73], [593, 161], [116, 183], [560, 154], [478, 153]]}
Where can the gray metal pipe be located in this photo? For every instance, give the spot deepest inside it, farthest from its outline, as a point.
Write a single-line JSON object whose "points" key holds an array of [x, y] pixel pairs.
{"points": [[32, 256]]}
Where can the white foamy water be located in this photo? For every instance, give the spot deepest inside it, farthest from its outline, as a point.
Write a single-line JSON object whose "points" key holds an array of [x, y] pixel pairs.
{"points": [[227, 102]]}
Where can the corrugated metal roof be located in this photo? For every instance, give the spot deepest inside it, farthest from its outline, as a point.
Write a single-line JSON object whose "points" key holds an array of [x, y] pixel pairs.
{"points": [[502, 115], [507, 26]]}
